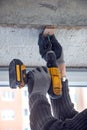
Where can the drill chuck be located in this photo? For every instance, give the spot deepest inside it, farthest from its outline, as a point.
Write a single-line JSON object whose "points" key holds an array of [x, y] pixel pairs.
{"points": [[51, 59]]}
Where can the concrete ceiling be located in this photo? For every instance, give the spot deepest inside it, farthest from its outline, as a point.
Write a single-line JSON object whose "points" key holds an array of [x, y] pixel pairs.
{"points": [[43, 12]]}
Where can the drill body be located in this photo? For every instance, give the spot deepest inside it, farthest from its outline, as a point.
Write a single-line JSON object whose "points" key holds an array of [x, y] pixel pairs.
{"points": [[55, 89]]}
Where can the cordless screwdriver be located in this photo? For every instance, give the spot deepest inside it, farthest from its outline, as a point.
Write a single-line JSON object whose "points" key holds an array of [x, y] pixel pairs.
{"points": [[55, 89]]}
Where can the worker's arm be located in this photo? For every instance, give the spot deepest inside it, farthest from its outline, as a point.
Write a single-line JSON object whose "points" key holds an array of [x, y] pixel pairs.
{"points": [[62, 107], [40, 111], [57, 48]]}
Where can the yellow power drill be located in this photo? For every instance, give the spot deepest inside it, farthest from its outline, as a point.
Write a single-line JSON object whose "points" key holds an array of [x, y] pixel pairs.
{"points": [[56, 85], [18, 76], [55, 89]]}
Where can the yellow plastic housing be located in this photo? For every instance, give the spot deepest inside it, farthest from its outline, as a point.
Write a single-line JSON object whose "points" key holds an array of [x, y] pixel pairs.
{"points": [[21, 75], [56, 80]]}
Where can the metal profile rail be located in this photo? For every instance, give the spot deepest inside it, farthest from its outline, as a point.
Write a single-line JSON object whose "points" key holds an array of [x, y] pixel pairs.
{"points": [[76, 77]]}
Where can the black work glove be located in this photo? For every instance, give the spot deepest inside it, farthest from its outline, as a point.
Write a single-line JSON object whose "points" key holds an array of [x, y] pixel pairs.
{"points": [[47, 43], [44, 45], [57, 48]]}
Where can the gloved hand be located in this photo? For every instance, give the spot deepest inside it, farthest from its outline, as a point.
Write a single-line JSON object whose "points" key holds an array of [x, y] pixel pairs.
{"points": [[44, 45], [50, 43], [57, 48], [39, 81]]}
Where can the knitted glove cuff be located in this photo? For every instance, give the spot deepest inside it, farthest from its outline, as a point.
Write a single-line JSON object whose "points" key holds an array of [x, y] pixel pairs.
{"points": [[35, 97]]}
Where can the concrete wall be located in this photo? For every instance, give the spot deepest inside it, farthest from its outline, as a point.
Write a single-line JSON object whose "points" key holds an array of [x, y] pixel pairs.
{"points": [[54, 12], [18, 40], [22, 43]]}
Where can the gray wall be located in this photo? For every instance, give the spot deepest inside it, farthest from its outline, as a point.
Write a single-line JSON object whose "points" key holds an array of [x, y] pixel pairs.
{"points": [[22, 43], [19, 35], [54, 12]]}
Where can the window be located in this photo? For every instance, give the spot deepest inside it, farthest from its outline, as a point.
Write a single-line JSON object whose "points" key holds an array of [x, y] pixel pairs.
{"points": [[7, 95], [25, 93], [77, 79], [7, 129], [78, 97], [25, 112], [25, 128], [78, 91], [7, 114]]}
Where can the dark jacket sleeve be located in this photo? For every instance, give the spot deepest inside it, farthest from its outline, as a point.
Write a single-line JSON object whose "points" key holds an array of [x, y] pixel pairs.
{"points": [[42, 119], [63, 107], [40, 113]]}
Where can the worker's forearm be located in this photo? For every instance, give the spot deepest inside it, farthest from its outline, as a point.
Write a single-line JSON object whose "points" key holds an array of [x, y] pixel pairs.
{"points": [[63, 107], [62, 69], [41, 118], [40, 112]]}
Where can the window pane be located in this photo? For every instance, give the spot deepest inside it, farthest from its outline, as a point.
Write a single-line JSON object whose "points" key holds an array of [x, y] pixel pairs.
{"points": [[7, 114], [79, 96], [7, 95], [25, 112]]}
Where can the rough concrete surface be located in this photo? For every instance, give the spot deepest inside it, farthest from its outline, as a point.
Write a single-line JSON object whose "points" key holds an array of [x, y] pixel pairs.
{"points": [[21, 43], [49, 12]]}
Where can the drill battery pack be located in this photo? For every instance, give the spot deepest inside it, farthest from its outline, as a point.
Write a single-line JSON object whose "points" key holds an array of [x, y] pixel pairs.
{"points": [[17, 74]]}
